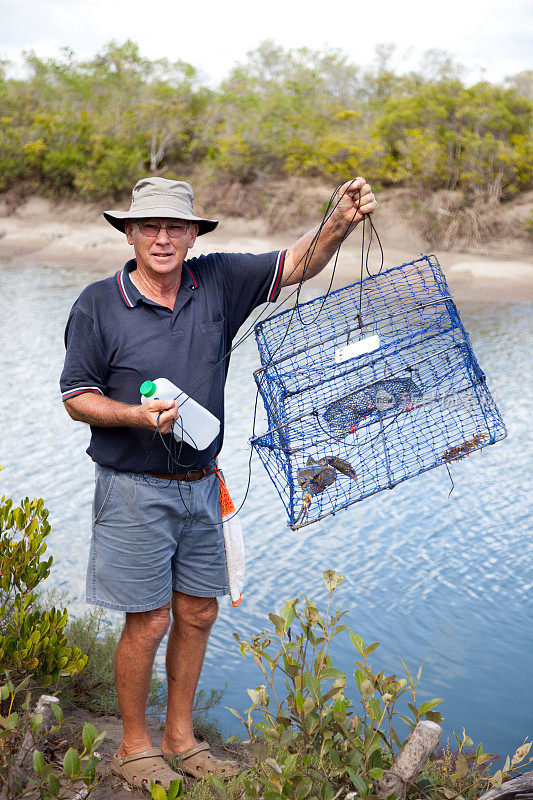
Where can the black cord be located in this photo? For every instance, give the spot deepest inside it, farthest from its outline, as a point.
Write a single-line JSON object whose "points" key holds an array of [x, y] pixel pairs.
{"points": [[173, 459], [451, 479]]}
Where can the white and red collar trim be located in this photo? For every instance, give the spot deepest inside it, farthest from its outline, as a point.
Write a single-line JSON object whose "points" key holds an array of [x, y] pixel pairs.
{"points": [[122, 289]]}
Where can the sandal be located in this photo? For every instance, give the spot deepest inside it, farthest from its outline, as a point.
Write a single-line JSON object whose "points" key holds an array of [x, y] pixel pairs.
{"points": [[139, 769], [198, 762]]}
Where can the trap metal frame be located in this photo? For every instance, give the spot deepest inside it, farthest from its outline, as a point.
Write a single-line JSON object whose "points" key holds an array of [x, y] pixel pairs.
{"points": [[417, 401]]}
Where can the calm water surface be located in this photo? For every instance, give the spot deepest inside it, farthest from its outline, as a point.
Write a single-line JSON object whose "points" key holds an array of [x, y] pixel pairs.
{"points": [[442, 580]]}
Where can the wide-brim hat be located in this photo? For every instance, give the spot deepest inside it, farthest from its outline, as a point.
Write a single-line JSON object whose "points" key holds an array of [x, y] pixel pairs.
{"points": [[159, 197]]}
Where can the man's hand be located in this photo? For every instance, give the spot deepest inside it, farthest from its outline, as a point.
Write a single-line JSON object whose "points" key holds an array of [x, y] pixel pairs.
{"points": [[96, 409], [353, 200], [157, 413], [356, 200]]}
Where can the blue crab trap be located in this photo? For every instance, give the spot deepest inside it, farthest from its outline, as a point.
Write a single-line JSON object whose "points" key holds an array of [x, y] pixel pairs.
{"points": [[366, 388]]}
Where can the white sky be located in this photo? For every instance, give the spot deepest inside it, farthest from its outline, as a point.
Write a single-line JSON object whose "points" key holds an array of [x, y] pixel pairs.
{"points": [[491, 38]]}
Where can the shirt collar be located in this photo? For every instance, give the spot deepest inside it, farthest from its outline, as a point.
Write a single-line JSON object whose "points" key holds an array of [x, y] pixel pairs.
{"points": [[129, 292]]}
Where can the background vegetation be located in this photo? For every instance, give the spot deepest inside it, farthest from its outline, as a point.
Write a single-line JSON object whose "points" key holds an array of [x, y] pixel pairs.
{"points": [[91, 128]]}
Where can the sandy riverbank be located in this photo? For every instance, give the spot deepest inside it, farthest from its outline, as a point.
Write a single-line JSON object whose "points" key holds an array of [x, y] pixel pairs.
{"points": [[40, 231]]}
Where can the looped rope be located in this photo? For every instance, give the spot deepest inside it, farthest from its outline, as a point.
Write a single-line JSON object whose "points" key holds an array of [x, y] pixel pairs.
{"points": [[174, 455]]}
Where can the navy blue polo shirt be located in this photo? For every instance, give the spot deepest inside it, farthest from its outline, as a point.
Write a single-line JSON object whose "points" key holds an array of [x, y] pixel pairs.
{"points": [[116, 338]]}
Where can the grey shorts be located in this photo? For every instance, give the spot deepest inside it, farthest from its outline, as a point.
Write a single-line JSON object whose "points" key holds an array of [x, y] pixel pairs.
{"points": [[151, 537]]}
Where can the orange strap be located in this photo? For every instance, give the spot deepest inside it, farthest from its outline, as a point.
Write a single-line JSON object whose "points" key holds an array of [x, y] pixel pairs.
{"points": [[226, 503]]}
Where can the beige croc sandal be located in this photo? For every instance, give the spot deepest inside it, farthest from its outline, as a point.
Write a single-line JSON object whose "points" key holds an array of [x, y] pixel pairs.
{"points": [[139, 769], [198, 762]]}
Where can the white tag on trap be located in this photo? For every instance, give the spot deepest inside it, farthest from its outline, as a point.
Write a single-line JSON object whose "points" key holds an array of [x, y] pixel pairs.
{"points": [[353, 349]]}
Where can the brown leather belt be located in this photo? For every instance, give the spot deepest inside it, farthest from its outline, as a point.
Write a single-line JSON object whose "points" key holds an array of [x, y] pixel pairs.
{"points": [[190, 475]]}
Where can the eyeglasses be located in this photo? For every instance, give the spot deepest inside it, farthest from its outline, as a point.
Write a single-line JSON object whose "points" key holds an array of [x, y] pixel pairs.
{"points": [[176, 230]]}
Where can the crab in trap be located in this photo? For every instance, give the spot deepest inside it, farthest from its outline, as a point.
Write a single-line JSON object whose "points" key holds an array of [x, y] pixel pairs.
{"points": [[316, 476]]}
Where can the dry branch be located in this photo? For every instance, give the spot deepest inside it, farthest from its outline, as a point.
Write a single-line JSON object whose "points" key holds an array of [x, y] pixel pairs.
{"points": [[410, 761], [520, 788], [44, 706]]}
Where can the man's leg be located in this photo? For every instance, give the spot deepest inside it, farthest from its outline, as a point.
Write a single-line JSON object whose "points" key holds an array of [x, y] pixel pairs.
{"points": [[193, 618], [134, 660]]}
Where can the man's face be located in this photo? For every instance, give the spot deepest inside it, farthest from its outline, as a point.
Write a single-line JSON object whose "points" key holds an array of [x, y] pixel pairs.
{"points": [[161, 254]]}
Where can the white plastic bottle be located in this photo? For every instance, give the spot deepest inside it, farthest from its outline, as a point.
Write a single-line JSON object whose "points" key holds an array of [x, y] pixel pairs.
{"points": [[195, 425]]}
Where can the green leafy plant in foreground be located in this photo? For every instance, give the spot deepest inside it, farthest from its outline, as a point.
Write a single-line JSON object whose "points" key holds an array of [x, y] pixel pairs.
{"points": [[32, 640], [310, 740], [51, 781], [174, 790], [307, 738]]}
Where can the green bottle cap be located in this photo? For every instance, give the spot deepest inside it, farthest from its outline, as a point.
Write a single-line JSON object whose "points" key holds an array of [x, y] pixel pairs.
{"points": [[148, 388]]}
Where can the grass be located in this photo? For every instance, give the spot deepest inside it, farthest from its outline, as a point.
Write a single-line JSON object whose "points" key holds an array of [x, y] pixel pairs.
{"points": [[203, 790]]}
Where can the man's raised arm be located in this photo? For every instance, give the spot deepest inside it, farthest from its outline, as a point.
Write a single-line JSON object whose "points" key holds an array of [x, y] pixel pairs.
{"points": [[356, 200]]}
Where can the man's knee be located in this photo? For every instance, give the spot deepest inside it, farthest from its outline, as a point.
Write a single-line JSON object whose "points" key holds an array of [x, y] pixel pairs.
{"points": [[150, 625], [197, 612]]}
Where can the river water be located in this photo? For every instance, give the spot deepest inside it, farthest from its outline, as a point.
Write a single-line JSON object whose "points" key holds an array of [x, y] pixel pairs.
{"points": [[444, 580]]}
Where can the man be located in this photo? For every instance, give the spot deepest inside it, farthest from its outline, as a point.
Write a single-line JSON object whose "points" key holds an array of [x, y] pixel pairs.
{"points": [[157, 547]]}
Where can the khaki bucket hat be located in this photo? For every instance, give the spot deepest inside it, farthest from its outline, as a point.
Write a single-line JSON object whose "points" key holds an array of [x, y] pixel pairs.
{"points": [[159, 197]]}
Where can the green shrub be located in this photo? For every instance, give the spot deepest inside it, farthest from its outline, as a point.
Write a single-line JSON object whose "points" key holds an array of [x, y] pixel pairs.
{"points": [[32, 640], [309, 740]]}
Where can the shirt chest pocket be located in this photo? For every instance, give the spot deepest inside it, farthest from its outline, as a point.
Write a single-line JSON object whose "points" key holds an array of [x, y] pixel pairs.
{"points": [[213, 339]]}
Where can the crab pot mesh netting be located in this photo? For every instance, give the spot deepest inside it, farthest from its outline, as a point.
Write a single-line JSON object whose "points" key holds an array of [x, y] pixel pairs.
{"points": [[343, 426]]}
